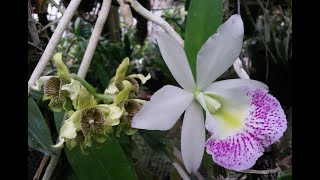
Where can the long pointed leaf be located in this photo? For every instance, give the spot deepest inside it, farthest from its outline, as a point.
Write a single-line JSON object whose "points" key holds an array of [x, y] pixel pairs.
{"points": [[204, 17], [39, 136]]}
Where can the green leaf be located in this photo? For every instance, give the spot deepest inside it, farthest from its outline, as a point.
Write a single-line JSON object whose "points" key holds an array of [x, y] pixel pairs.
{"points": [[286, 177], [106, 162], [39, 136], [204, 17], [158, 142], [58, 117]]}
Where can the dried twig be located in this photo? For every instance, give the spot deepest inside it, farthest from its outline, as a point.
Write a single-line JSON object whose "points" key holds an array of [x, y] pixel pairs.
{"points": [[255, 26], [32, 44], [40, 168], [125, 11], [270, 171], [52, 165], [32, 27], [49, 24]]}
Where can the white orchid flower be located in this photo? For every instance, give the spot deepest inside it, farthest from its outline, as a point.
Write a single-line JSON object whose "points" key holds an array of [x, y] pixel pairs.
{"points": [[241, 116]]}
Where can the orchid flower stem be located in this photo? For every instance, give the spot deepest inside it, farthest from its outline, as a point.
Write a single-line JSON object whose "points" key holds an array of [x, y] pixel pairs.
{"points": [[107, 98], [52, 165], [88, 86], [180, 170], [178, 155]]}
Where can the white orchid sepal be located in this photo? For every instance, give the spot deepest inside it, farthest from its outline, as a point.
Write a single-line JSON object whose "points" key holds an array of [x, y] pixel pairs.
{"points": [[233, 107]]}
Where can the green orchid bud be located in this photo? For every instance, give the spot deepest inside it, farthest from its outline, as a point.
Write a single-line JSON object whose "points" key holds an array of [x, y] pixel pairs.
{"points": [[122, 70], [63, 71]]}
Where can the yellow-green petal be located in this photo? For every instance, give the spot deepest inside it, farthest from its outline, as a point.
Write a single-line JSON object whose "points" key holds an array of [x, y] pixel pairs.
{"points": [[61, 67], [71, 143], [112, 113], [142, 78], [122, 70], [74, 89], [112, 89], [124, 94], [75, 118], [85, 99]]}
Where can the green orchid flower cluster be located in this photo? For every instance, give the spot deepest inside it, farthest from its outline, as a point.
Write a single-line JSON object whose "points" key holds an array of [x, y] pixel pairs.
{"points": [[91, 115]]}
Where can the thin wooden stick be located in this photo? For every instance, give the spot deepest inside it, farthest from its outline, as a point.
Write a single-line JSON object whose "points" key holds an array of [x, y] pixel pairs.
{"points": [[105, 8], [54, 40], [40, 168]]}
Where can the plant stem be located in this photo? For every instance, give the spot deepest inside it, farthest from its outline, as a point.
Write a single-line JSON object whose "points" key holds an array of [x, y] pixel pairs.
{"points": [[108, 98], [32, 27], [88, 86], [41, 166], [180, 170], [158, 20], [52, 165]]}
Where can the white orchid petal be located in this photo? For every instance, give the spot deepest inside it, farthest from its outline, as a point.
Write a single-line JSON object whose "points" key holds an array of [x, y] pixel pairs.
{"points": [[163, 110], [220, 51], [192, 137], [176, 60], [224, 85]]}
